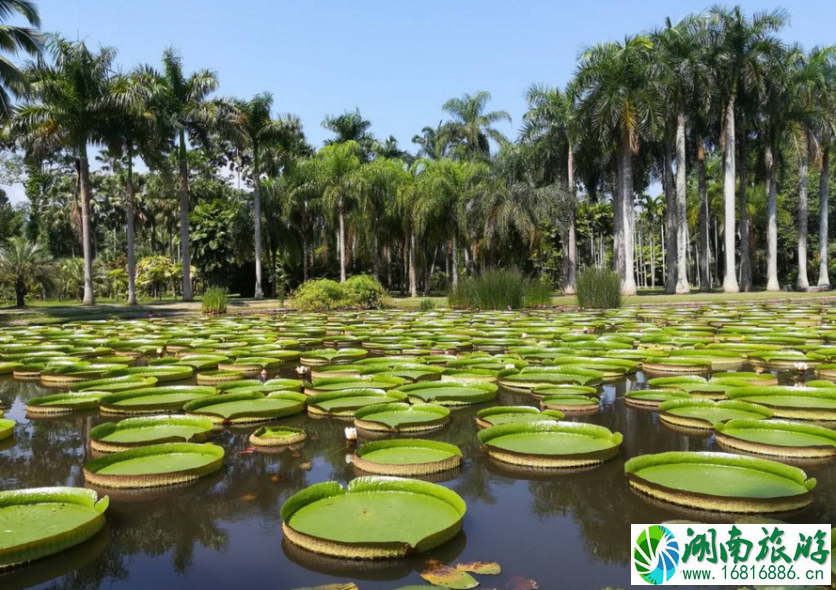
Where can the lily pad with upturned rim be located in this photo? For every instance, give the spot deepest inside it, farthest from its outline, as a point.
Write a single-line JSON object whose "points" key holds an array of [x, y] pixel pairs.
{"points": [[43, 521], [542, 391], [64, 403], [513, 414], [778, 438], [372, 518], [571, 404], [550, 444], [277, 436], [407, 457], [343, 404], [112, 437], [795, 403], [650, 399], [155, 465], [721, 482], [450, 393], [154, 399], [401, 417], [706, 414], [7, 426], [234, 408], [357, 382]]}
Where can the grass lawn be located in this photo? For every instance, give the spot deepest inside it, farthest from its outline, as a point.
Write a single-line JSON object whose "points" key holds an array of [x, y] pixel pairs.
{"points": [[48, 312]]}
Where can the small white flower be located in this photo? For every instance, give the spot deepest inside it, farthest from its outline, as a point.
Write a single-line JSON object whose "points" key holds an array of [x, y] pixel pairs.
{"points": [[349, 458], [350, 433], [301, 370], [510, 366]]}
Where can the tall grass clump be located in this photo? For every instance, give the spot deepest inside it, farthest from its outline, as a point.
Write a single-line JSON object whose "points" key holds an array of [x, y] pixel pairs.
{"points": [[598, 288], [214, 301], [427, 304], [500, 289]]}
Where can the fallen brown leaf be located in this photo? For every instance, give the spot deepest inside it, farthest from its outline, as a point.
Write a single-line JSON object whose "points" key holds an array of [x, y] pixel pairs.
{"points": [[448, 577], [488, 568], [519, 583]]}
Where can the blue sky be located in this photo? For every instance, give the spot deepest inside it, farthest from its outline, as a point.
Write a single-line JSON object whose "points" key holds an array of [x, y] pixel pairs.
{"points": [[397, 61]]}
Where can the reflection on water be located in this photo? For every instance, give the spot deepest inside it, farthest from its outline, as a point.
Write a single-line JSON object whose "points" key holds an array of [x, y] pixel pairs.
{"points": [[225, 531]]}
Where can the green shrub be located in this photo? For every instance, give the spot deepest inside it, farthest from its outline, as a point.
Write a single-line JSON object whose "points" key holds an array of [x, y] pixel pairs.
{"points": [[359, 291], [214, 301], [365, 291], [319, 294], [598, 288], [500, 289], [427, 304]]}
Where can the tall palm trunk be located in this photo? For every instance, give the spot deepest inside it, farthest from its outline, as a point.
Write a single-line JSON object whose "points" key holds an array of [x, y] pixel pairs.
{"points": [[671, 225], [86, 233], [745, 249], [618, 222], [824, 212], [376, 249], [413, 271], [570, 258], [185, 255], [682, 285], [259, 292], [341, 240], [729, 280], [130, 221], [628, 285], [705, 262], [454, 280], [803, 160], [771, 219]]}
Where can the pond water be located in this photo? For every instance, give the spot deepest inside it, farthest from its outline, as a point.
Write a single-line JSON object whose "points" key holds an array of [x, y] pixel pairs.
{"points": [[562, 530]]}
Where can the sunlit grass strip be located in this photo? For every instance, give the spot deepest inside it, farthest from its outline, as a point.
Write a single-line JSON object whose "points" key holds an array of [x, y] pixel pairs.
{"points": [[212, 454], [453, 461], [720, 502], [52, 541]]}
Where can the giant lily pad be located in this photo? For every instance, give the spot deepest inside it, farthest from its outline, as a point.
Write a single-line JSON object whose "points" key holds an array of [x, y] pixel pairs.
{"points": [[372, 518], [571, 404], [450, 393], [155, 465], [115, 384], [112, 437], [277, 436], [651, 398], [800, 403], [247, 407], [332, 356], [512, 414], [7, 427], [720, 482], [407, 457], [550, 444], [706, 414], [64, 403], [778, 438], [343, 404], [530, 377], [154, 399], [40, 522], [329, 384], [401, 417]]}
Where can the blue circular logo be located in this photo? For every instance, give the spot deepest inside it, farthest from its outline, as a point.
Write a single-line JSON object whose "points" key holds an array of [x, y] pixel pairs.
{"points": [[656, 554]]}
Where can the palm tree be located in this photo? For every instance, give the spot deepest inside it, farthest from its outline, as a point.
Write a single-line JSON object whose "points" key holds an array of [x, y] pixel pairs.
{"points": [[433, 142], [743, 45], [680, 72], [380, 181], [611, 86], [351, 126], [334, 177], [189, 112], [549, 125], [14, 40], [444, 187], [25, 264], [251, 126], [66, 107], [134, 127], [472, 128]]}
